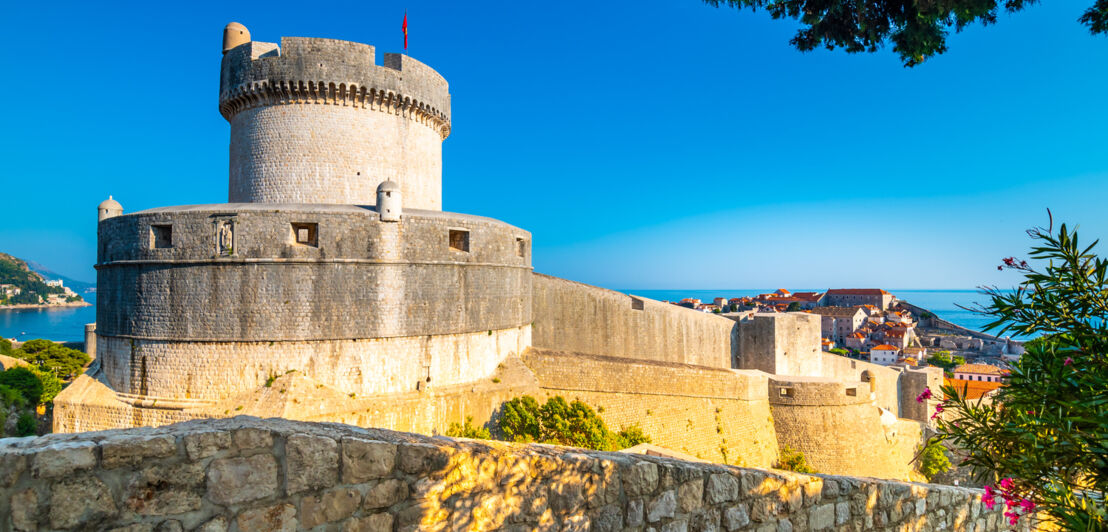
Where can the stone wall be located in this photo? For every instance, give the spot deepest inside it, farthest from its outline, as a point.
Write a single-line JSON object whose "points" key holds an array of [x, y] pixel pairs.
{"points": [[570, 316], [318, 121], [839, 429], [248, 474], [781, 344], [719, 415]]}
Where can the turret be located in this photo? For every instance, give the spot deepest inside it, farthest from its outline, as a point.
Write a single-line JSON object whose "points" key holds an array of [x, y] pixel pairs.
{"points": [[234, 34], [388, 201], [319, 121], [107, 209]]}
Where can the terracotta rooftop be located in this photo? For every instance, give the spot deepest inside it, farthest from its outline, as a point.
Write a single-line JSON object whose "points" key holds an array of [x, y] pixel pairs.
{"points": [[836, 311], [973, 389], [982, 369], [884, 347], [858, 292]]}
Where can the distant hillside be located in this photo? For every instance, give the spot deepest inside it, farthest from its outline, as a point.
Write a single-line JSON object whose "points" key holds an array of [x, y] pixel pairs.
{"points": [[81, 287], [31, 285]]}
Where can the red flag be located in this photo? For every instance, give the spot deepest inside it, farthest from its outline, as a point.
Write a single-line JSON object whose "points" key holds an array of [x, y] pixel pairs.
{"points": [[405, 28]]}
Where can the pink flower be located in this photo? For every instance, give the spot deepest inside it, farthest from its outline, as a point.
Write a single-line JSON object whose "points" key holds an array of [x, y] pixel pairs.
{"points": [[1006, 484], [923, 396], [1068, 361], [1013, 517], [1027, 506], [938, 410], [989, 498]]}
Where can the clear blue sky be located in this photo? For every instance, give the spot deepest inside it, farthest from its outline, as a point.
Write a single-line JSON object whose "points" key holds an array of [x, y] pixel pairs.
{"points": [[645, 144]]}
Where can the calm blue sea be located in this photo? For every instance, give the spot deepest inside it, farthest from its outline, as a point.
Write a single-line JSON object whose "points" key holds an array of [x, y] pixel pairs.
{"points": [[943, 303], [68, 325], [60, 325]]}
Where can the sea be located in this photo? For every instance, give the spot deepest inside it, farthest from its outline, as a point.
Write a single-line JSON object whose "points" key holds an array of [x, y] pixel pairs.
{"points": [[68, 324]]}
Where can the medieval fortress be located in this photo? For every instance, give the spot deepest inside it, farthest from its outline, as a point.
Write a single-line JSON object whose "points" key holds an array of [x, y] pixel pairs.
{"points": [[332, 287]]}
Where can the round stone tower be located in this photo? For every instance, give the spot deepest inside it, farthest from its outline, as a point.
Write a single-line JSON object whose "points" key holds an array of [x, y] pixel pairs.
{"points": [[107, 209], [318, 121]]}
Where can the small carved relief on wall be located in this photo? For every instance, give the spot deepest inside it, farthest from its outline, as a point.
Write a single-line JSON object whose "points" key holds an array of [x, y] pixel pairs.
{"points": [[225, 238]]}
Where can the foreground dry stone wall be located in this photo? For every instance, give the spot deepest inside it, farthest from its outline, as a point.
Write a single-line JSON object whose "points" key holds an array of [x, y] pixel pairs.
{"points": [[250, 474]]}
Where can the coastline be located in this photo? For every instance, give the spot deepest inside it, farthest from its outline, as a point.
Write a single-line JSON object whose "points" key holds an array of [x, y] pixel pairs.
{"points": [[47, 307]]}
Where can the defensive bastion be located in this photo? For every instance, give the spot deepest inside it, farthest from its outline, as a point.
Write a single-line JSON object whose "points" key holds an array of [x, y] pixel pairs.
{"points": [[332, 287], [244, 474]]}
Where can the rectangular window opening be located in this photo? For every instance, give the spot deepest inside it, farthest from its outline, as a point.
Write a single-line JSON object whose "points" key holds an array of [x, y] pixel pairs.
{"points": [[459, 240], [786, 392], [636, 303], [161, 236], [853, 392], [521, 247], [306, 234]]}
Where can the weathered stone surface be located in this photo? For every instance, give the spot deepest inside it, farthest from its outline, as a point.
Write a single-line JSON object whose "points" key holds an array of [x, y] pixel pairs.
{"points": [[62, 459], [206, 443], [235, 480], [151, 500], [364, 460], [842, 513], [385, 493], [121, 452], [25, 510], [641, 478], [279, 517], [313, 462], [576, 523], [784, 525], [252, 438], [373, 523], [608, 519], [12, 464], [721, 488], [170, 525], [421, 458], [635, 513], [218, 524], [80, 501], [661, 506], [332, 506], [690, 494], [677, 525], [736, 517], [135, 527], [821, 517]]}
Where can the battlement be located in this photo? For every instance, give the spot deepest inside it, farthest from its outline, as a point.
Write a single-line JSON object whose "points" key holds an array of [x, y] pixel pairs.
{"points": [[330, 71]]}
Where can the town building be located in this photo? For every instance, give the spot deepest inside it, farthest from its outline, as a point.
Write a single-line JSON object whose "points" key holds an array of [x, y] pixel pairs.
{"points": [[847, 297], [979, 373], [884, 354], [840, 322]]}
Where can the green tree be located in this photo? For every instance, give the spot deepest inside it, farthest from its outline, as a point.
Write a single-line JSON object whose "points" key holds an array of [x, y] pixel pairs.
{"points": [[630, 437], [26, 425], [917, 29], [5, 346], [563, 423], [519, 419], [793, 307], [1045, 436], [839, 351], [51, 385], [25, 381], [63, 361]]}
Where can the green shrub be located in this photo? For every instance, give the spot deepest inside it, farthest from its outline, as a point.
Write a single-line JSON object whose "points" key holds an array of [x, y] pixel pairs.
{"points": [[1044, 437], [563, 423], [839, 351], [63, 361], [467, 430], [26, 426], [51, 385], [792, 460], [25, 381], [5, 346], [933, 460]]}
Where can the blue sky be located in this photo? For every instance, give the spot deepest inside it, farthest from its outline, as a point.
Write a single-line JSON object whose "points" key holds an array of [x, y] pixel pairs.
{"points": [[646, 144]]}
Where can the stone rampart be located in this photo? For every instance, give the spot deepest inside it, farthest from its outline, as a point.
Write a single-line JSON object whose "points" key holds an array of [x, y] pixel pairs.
{"points": [[781, 343], [716, 414], [318, 121], [839, 428], [249, 474], [575, 317]]}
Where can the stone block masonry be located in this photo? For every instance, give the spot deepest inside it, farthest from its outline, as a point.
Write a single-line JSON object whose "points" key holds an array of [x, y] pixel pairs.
{"points": [[245, 473]]}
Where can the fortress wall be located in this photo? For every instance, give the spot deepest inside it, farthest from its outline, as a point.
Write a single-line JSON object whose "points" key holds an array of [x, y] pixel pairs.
{"points": [[250, 474], [884, 381], [781, 344], [718, 415], [570, 316], [362, 278], [841, 432], [912, 383], [332, 154], [216, 370]]}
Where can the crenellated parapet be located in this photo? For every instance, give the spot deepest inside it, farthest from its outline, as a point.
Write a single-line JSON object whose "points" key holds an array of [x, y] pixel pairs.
{"points": [[304, 70]]}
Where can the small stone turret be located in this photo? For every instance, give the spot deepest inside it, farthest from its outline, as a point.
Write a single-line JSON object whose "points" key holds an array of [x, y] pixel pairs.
{"points": [[107, 209], [234, 34], [388, 201]]}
